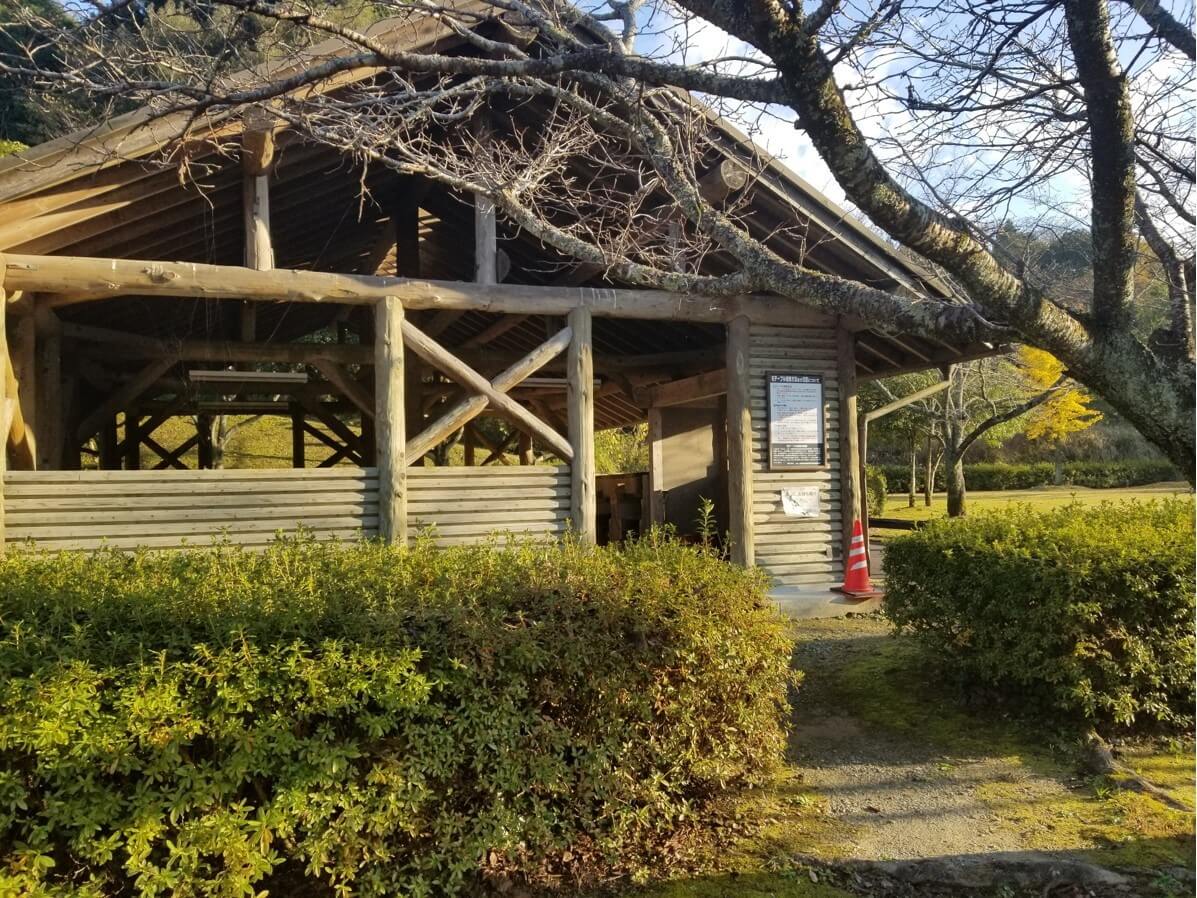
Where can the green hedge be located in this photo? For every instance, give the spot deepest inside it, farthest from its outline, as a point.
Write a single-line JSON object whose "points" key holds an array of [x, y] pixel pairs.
{"points": [[1078, 614], [1004, 476], [378, 722]]}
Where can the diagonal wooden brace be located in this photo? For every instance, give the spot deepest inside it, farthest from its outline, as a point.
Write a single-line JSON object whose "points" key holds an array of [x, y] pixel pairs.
{"points": [[469, 408]]}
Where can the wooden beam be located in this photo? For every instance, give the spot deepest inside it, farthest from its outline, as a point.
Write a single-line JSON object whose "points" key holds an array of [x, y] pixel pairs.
{"points": [[344, 381], [723, 180], [968, 354], [890, 408], [121, 398], [132, 346], [125, 277], [390, 421], [470, 407], [850, 459], [739, 443], [583, 499], [688, 389], [436, 355]]}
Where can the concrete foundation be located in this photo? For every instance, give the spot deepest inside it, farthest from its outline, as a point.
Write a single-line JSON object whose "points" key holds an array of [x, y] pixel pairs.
{"points": [[821, 600]]}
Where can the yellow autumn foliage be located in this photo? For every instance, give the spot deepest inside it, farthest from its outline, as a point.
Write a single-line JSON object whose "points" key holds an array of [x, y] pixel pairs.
{"points": [[1066, 411]]}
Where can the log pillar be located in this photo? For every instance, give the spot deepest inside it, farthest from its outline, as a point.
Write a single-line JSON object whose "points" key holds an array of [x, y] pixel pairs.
{"points": [[5, 400], [297, 434], [205, 448], [257, 159], [583, 501], [49, 388], [389, 421], [132, 440], [739, 443], [656, 468], [851, 492]]}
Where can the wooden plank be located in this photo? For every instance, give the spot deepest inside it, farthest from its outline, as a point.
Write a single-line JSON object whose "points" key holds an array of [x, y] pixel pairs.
{"points": [[45, 505], [186, 528], [436, 355], [739, 443], [294, 514], [285, 475], [390, 420], [580, 418], [122, 277], [191, 541]]}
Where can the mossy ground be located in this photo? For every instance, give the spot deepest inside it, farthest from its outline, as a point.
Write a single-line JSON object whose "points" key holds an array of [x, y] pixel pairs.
{"points": [[1038, 795]]}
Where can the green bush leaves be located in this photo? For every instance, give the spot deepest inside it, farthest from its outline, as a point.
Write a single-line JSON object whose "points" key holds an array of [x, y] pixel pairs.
{"points": [[372, 721], [1082, 615]]}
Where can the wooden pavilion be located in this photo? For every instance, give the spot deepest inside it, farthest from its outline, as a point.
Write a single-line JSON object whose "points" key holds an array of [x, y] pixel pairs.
{"points": [[270, 286]]}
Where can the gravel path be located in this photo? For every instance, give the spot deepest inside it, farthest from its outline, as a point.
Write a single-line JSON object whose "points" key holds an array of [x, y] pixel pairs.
{"points": [[901, 797]]}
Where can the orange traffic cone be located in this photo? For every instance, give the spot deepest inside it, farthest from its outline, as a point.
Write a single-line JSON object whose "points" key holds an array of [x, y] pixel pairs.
{"points": [[856, 567]]}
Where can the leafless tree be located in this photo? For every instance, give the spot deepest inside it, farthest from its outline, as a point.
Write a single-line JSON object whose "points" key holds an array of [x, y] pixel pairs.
{"points": [[938, 120]]}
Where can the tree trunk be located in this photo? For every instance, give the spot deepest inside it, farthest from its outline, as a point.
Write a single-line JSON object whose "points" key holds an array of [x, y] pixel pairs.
{"points": [[1058, 474], [956, 486], [929, 478], [914, 470]]}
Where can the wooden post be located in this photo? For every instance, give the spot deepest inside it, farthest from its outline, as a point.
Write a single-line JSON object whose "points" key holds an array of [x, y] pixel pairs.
{"points": [[297, 447], [656, 469], [205, 450], [467, 443], [5, 399], [257, 159], [49, 388], [851, 490], [485, 241], [579, 368], [132, 440], [25, 369], [527, 456], [862, 445], [390, 421], [106, 440], [739, 443]]}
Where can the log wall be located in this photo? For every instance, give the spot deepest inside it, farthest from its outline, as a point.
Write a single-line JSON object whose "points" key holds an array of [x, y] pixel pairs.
{"points": [[795, 551], [163, 509], [467, 505]]}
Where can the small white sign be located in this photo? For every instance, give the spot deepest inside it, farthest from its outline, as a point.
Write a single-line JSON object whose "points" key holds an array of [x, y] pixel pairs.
{"points": [[800, 502]]}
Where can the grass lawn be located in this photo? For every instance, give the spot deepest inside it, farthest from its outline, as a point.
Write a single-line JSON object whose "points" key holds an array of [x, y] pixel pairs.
{"points": [[1041, 498]]}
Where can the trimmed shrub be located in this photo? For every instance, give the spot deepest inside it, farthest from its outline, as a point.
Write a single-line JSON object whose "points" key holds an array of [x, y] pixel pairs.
{"points": [[364, 720], [876, 490], [983, 476], [1079, 614]]}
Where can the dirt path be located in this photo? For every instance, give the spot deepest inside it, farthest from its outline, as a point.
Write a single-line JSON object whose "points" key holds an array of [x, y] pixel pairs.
{"points": [[902, 798]]}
